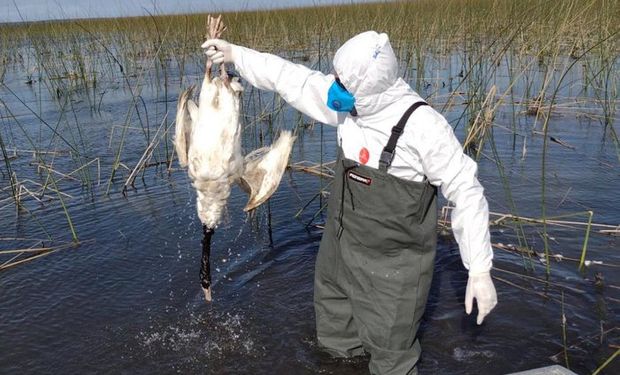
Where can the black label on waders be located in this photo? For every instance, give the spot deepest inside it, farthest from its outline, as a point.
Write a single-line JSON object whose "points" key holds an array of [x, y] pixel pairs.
{"points": [[359, 178]]}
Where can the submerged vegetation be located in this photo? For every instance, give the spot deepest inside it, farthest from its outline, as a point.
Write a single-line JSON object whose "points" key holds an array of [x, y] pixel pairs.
{"points": [[86, 106]]}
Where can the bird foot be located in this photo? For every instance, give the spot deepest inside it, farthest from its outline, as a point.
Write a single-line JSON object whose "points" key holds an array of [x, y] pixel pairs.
{"points": [[207, 292], [215, 29]]}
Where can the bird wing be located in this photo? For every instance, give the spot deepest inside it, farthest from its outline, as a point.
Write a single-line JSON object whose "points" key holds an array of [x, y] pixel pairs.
{"points": [[263, 169], [187, 112]]}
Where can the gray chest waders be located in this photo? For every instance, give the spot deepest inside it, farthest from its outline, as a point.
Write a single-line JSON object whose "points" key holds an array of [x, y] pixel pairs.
{"points": [[375, 263]]}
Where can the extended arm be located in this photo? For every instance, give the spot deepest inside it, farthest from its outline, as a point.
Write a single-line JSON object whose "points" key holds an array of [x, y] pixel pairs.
{"points": [[447, 166], [303, 88]]}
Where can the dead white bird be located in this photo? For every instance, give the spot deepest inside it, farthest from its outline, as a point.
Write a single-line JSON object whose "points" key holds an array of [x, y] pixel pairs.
{"points": [[208, 142]]}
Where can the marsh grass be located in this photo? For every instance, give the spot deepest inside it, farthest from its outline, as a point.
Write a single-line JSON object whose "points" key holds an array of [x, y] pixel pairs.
{"points": [[492, 65], [537, 44], [36, 249]]}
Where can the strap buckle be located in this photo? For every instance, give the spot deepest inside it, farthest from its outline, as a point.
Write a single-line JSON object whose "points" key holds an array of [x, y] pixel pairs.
{"points": [[396, 130], [386, 158]]}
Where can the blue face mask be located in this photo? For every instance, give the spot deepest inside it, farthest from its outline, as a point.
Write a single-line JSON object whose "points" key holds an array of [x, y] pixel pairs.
{"points": [[339, 99]]}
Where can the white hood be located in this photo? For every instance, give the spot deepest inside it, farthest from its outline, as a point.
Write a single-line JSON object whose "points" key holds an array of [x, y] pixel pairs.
{"points": [[368, 69]]}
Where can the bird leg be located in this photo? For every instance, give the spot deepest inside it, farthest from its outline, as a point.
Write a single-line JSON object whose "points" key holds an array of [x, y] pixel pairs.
{"points": [[223, 74], [215, 30], [209, 63], [205, 264], [208, 70]]}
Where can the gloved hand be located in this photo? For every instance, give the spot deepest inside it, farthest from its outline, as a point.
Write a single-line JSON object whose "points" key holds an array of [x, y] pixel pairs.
{"points": [[219, 51], [480, 286]]}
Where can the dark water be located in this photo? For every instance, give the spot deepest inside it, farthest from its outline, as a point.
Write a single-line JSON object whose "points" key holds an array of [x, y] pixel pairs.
{"points": [[128, 300]]}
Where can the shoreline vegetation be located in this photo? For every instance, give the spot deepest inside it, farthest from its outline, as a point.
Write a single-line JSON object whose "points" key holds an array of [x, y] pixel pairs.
{"points": [[489, 63]]}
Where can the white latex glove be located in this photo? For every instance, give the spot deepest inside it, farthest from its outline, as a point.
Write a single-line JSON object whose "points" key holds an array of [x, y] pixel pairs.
{"points": [[219, 51], [480, 286]]}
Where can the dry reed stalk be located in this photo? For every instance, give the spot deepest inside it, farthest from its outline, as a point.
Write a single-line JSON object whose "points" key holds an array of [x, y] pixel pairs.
{"points": [[33, 195], [97, 160], [543, 281], [580, 341], [22, 239], [40, 252], [16, 197], [37, 249], [35, 153], [17, 255], [568, 224], [46, 187], [483, 120], [322, 170], [13, 264], [534, 106], [503, 217], [612, 232], [12, 157], [564, 334], [49, 168], [320, 194], [564, 197], [555, 140], [543, 295], [146, 156], [552, 256], [10, 260], [23, 191], [155, 164]]}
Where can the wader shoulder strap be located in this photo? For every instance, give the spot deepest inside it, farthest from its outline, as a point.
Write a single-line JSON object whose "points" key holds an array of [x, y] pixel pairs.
{"points": [[387, 155]]}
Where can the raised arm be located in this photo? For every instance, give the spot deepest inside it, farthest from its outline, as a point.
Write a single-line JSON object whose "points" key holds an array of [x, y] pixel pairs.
{"points": [[303, 88]]}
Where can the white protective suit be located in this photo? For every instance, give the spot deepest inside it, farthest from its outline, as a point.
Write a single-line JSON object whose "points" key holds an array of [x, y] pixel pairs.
{"points": [[367, 67]]}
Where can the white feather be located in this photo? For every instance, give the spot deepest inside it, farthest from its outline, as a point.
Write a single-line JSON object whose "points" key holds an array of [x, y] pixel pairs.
{"points": [[183, 126]]}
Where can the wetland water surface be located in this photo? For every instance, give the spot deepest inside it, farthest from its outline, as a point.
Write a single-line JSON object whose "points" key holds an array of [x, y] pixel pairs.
{"points": [[128, 299]]}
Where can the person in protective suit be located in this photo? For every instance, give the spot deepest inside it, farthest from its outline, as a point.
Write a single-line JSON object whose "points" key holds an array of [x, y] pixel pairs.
{"points": [[375, 262]]}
